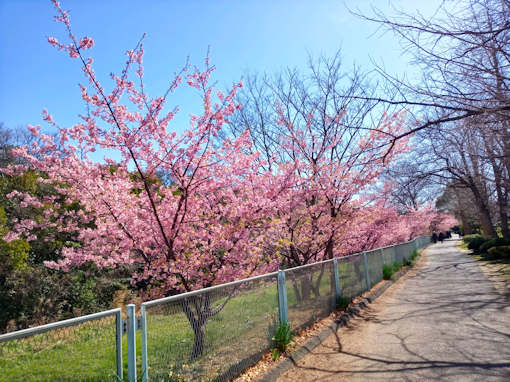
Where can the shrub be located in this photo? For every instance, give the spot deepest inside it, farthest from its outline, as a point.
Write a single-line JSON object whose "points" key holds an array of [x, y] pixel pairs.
{"points": [[407, 262], [387, 271], [475, 243], [468, 238], [396, 266], [500, 252], [342, 303], [39, 295], [414, 255], [500, 241], [282, 338]]}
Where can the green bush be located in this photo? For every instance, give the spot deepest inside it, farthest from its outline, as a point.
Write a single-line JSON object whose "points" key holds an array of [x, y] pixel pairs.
{"points": [[407, 262], [387, 271], [476, 243], [342, 303], [500, 252], [396, 266], [468, 238], [38, 295], [500, 241]]}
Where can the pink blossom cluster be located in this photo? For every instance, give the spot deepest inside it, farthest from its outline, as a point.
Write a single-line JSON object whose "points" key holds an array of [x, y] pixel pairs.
{"points": [[190, 211]]}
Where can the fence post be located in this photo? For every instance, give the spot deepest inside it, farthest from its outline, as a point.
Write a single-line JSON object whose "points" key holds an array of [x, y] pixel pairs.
{"points": [[367, 276], [282, 298], [382, 256], [145, 366], [118, 345], [394, 253], [131, 342], [338, 288]]}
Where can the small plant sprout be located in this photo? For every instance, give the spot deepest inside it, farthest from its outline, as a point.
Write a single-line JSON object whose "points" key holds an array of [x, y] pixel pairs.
{"points": [[387, 271], [343, 302], [282, 338]]}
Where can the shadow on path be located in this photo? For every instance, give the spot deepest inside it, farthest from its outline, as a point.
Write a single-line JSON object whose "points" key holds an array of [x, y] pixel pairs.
{"points": [[445, 321]]}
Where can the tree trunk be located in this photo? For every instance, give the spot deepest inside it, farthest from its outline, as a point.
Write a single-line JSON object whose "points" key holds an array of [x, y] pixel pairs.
{"points": [[198, 342], [306, 288], [499, 182], [296, 291], [466, 224], [483, 209], [197, 311]]}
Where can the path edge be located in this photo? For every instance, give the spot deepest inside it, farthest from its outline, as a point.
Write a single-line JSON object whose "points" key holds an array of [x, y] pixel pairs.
{"points": [[353, 310]]}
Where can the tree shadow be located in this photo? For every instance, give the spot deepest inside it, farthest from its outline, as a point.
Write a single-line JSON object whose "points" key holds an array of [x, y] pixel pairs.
{"points": [[446, 321]]}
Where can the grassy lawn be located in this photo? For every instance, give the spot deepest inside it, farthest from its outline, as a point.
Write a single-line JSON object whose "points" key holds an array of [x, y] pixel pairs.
{"points": [[241, 331], [84, 352], [243, 327]]}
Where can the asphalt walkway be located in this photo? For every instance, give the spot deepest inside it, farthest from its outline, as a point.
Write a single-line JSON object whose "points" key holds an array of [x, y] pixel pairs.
{"points": [[443, 321]]}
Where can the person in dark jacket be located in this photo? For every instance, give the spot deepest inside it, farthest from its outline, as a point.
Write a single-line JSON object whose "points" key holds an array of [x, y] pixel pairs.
{"points": [[441, 237], [434, 238]]}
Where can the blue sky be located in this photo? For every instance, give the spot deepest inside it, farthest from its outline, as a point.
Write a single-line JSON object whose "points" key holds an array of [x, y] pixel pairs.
{"points": [[254, 36]]}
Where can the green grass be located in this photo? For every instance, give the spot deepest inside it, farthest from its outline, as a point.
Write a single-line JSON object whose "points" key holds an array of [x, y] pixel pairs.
{"points": [[352, 278], [85, 352], [303, 312], [415, 255], [462, 245], [243, 329]]}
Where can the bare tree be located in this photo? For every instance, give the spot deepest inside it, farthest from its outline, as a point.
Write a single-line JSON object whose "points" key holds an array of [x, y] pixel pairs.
{"points": [[456, 157], [410, 186], [463, 53], [460, 202], [462, 99], [314, 101]]}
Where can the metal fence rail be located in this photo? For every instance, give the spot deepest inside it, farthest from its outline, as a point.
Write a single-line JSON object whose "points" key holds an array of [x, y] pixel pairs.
{"points": [[310, 293], [87, 348], [209, 334], [215, 333]]}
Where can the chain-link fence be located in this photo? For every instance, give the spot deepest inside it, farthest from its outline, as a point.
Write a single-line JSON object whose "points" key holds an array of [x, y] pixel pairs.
{"points": [[86, 348], [209, 334], [351, 272], [375, 262], [213, 334], [310, 293]]}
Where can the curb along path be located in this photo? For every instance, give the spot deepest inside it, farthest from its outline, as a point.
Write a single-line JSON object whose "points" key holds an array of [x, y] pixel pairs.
{"points": [[342, 320], [443, 321]]}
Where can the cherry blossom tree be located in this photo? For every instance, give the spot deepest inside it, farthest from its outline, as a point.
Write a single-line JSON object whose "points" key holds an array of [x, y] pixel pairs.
{"points": [[186, 213]]}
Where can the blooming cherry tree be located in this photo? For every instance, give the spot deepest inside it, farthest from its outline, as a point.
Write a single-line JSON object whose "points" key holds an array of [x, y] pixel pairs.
{"points": [[184, 212], [188, 211]]}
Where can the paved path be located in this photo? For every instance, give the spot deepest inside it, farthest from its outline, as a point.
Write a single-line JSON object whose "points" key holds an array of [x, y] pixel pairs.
{"points": [[443, 321]]}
